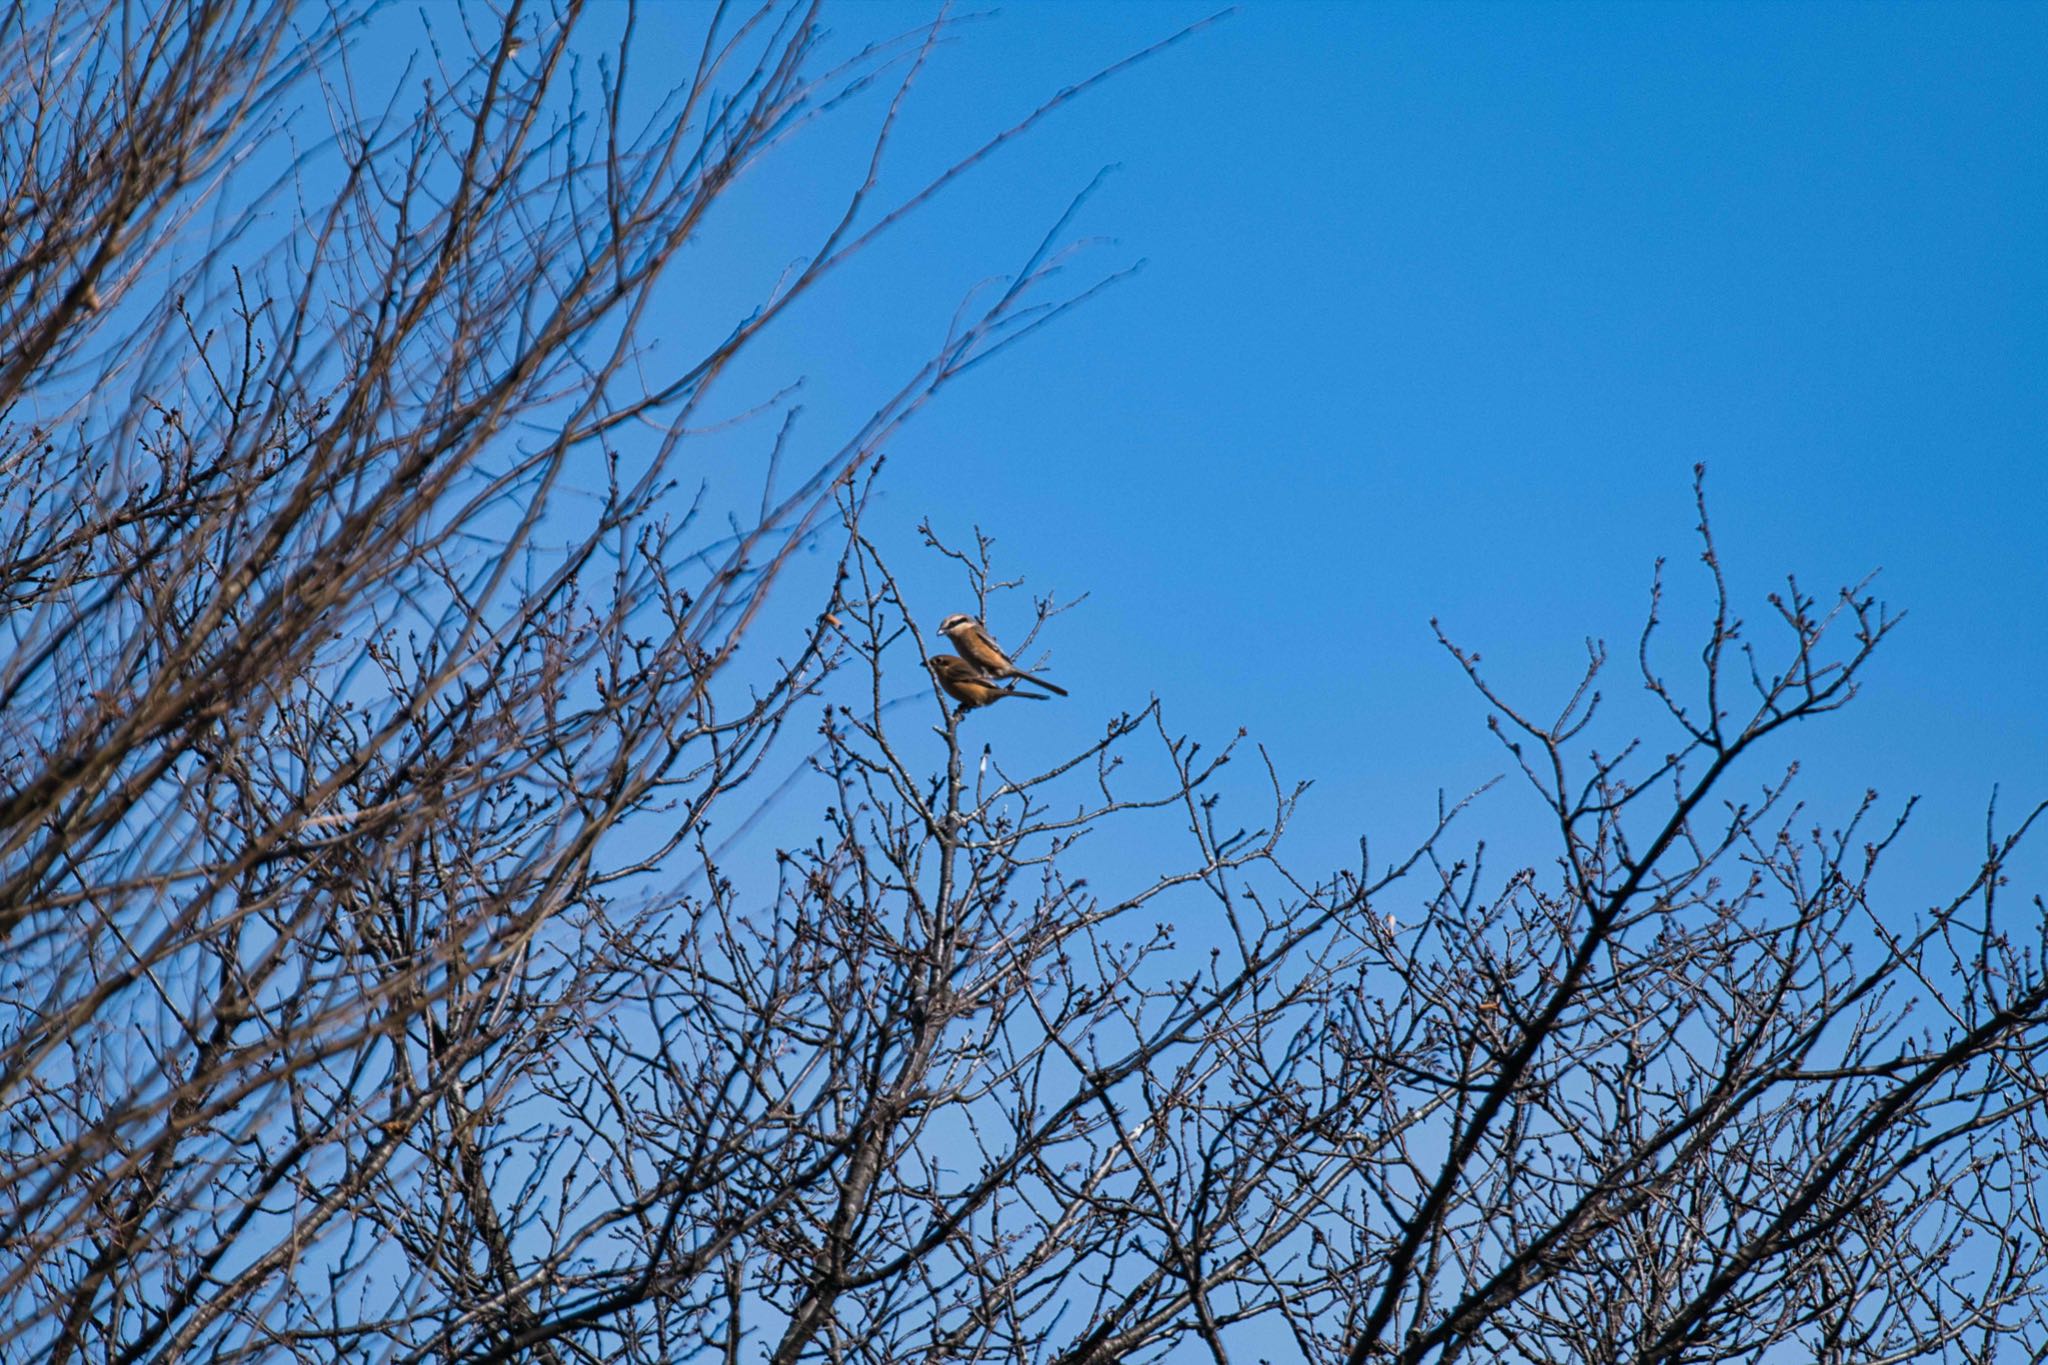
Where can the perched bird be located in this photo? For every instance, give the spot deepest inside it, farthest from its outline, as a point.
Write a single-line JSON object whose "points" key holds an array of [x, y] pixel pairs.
{"points": [[967, 685], [965, 634]]}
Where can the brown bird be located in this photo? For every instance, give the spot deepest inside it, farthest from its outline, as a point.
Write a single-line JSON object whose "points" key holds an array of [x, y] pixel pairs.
{"points": [[967, 635], [967, 685]]}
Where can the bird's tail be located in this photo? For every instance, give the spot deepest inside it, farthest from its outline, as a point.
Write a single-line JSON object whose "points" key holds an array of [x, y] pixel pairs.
{"points": [[1037, 681], [1029, 696]]}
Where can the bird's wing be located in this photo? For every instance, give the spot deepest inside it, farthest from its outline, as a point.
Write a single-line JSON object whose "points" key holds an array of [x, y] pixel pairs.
{"points": [[990, 641]]}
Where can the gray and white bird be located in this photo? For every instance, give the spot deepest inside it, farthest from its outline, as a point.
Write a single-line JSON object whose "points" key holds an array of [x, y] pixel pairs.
{"points": [[977, 647]]}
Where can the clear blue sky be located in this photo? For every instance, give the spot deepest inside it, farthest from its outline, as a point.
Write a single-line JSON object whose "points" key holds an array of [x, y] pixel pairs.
{"points": [[1440, 306]]}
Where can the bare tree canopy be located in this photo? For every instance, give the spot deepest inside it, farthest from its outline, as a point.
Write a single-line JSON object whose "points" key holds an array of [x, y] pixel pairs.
{"points": [[377, 981]]}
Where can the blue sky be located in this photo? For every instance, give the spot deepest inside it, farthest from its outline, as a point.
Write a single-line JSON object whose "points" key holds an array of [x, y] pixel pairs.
{"points": [[1440, 305]]}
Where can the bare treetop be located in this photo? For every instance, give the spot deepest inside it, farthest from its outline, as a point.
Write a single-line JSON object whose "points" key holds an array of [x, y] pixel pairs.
{"points": [[431, 937]]}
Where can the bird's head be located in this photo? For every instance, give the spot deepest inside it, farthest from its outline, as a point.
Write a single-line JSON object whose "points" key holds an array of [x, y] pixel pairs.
{"points": [[956, 623]]}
